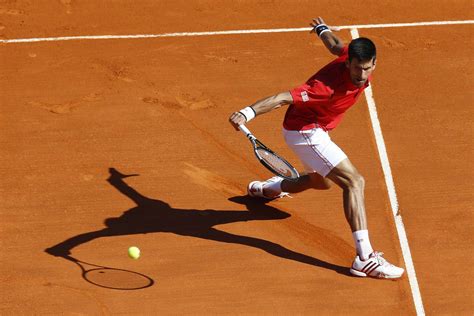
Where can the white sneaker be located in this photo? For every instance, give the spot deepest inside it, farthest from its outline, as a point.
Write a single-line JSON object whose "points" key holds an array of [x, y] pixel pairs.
{"points": [[255, 188], [376, 266]]}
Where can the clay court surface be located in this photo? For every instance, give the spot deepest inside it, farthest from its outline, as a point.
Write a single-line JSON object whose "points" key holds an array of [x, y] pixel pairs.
{"points": [[77, 116]]}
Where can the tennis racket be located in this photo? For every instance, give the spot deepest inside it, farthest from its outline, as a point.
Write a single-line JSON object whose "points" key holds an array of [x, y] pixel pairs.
{"points": [[269, 159]]}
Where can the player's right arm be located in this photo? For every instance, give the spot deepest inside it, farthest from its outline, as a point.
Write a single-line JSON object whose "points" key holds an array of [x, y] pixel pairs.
{"points": [[330, 40], [260, 107]]}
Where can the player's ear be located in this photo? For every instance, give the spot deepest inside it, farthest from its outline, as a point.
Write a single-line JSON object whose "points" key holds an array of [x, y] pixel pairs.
{"points": [[348, 63]]}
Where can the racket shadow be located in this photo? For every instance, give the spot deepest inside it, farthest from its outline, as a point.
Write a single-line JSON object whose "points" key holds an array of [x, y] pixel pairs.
{"points": [[155, 216], [112, 278]]}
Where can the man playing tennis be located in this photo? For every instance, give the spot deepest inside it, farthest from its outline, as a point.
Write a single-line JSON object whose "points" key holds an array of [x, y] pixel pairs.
{"points": [[315, 108]]}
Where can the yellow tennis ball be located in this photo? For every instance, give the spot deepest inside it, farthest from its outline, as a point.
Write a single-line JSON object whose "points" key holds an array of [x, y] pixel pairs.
{"points": [[134, 252]]}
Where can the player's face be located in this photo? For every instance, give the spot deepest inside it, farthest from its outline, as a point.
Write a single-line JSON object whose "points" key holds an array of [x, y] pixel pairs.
{"points": [[360, 70]]}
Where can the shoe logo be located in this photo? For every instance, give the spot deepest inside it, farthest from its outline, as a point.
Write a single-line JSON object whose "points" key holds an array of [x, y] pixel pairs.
{"points": [[370, 267]]}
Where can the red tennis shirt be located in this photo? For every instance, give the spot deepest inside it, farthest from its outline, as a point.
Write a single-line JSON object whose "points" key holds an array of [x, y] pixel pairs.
{"points": [[323, 99]]}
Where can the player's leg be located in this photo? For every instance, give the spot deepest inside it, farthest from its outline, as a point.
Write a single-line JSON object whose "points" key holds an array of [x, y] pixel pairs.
{"points": [[367, 262], [346, 176], [308, 181]]}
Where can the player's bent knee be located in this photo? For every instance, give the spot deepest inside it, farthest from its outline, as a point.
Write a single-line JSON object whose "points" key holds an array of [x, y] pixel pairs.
{"points": [[319, 183], [346, 176], [356, 181], [351, 181], [326, 185]]}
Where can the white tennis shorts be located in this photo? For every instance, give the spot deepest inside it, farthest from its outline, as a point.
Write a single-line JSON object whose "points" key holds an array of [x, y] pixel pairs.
{"points": [[315, 149]]}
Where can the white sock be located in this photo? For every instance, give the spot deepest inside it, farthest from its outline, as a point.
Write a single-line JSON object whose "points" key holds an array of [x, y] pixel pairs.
{"points": [[362, 243]]}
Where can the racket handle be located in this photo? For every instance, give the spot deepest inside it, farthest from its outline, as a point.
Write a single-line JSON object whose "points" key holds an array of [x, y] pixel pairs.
{"points": [[246, 131]]}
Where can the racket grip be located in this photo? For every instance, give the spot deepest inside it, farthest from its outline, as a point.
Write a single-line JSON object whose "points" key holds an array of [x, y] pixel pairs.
{"points": [[245, 130]]}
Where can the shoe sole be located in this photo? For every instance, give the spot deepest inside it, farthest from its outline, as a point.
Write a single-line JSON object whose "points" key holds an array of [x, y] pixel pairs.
{"points": [[357, 273], [362, 275]]}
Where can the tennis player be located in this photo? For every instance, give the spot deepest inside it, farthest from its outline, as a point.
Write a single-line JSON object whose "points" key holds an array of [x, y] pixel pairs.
{"points": [[315, 108]]}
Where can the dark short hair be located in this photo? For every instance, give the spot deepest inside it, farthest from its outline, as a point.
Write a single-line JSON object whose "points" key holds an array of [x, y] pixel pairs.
{"points": [[362, 48]]}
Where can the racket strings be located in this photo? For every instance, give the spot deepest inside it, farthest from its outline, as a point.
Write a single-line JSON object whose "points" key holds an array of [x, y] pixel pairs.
{"points": [[276, 163]]}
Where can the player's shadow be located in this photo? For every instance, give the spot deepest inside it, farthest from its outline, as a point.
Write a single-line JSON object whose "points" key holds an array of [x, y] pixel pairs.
{"points": [[154, 216]]}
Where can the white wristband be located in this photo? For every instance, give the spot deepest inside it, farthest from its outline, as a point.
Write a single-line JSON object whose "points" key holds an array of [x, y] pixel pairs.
{"points": [[321, 28], [327, 30], [248, 112]]}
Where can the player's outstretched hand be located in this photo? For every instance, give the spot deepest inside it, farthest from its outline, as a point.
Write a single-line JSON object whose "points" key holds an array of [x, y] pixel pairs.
{"points": [[237, 119], [59, 250], [115, 174], [319, 20]]}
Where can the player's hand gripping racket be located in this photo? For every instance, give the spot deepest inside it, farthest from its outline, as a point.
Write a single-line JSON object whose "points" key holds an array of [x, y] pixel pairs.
{"points": [[270, 159]]}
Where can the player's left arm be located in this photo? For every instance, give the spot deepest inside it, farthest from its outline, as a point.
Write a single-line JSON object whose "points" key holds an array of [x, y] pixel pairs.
{"points": [[260, 107], [332, 42]]}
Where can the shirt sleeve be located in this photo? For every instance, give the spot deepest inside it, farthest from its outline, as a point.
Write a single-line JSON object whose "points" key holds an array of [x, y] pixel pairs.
{"points": [[310, 93], [344, 51]]}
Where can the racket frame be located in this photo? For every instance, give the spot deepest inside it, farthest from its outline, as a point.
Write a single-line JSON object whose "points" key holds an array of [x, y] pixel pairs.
{"points": [[258, 144]]}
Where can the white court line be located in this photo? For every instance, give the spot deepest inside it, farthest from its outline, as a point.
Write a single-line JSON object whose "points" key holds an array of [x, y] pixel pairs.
{"points": [[415, 290], [231, 32]]}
